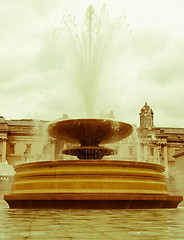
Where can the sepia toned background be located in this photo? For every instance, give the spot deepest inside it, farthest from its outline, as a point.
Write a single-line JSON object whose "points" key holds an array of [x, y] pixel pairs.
{"points": [[145, 60]]}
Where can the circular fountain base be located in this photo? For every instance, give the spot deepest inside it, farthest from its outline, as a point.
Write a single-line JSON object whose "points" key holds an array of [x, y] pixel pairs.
{"points": [[92, 201], [90, 184]]}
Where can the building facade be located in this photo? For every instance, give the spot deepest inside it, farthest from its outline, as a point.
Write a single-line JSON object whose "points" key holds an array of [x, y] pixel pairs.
{"points": [[159, 144], [179, 171], [23, 140]]}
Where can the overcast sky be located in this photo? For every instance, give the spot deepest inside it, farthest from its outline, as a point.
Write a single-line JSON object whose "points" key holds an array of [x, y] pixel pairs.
{"points": [[145, 61]]}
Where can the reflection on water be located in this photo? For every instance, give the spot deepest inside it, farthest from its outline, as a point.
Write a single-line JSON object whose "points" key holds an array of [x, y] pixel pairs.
{"points": [[91, 224]]}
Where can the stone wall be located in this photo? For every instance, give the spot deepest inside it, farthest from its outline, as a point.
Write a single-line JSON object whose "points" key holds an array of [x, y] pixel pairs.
{"points": [[179, 171]]}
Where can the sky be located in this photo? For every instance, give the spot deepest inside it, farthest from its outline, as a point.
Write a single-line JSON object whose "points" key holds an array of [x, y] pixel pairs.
{"points": [[144, 60]]}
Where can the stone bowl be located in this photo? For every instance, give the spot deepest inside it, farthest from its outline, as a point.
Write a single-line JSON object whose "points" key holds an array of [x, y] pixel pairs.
{"points": [[89, 132]]}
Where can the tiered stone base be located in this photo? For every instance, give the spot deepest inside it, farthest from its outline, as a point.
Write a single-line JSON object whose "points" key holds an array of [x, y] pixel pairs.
{"points": [[90, 184], [92, 201]]}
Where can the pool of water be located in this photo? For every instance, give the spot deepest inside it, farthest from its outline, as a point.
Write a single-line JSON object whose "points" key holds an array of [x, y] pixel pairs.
{"points": [[91, 224]]}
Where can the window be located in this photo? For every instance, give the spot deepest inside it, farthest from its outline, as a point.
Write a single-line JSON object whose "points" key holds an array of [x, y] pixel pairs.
{"points": [[131, 151], [11, 148], [28, 148], [151, 151], [45, 149]]}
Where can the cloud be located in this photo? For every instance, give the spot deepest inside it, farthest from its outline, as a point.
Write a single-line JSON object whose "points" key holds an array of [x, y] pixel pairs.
{"points": [[42, 7], [167, 65], [150, 42], [144, 63]]}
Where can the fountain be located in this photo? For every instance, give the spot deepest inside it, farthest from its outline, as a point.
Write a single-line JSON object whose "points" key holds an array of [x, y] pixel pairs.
{"points": [[90, 181], [90, 133]]}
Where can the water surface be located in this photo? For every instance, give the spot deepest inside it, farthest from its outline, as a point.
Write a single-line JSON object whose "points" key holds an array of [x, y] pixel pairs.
{"points": [[91, 224]]}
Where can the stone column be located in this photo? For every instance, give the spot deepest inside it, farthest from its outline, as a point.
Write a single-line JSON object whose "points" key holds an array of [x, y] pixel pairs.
{"points": [[1, 140], [165, 160], [159, 154], [162, 154], [156, 156], [139, 157], [4, 150], [142, 152], [145, 152], [52, 151]]}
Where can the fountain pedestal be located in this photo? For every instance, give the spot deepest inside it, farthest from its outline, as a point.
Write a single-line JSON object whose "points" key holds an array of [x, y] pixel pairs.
{"points": [[90, 183]]}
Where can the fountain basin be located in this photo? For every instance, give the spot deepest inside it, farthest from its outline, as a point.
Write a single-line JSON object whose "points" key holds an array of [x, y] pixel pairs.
{"points": [[89, 152], [90, 184], [89, 132]]}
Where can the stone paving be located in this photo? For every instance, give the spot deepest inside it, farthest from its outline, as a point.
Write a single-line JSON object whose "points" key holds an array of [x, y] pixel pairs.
{"points": [[71, 224]]}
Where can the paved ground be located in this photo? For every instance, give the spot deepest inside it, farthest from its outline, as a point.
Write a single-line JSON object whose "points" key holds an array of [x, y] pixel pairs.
{"points": [[36, 224]]}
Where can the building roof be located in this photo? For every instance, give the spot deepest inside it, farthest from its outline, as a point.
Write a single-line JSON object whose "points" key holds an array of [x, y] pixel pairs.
{"points": [[25, 122], [172, 130]]}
